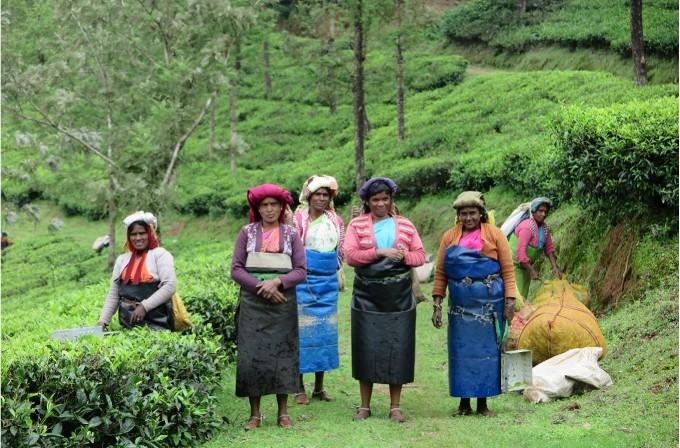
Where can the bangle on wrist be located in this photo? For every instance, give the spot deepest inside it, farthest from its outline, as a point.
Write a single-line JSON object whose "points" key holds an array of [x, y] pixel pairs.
{"points": [[437, 306]]}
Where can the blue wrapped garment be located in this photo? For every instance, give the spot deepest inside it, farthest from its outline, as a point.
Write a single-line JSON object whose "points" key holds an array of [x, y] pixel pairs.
{"points": [[317, 300], [476, 302]]}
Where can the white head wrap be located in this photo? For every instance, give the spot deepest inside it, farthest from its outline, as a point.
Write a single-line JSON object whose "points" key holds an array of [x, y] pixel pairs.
{"points": [[141, 215]]}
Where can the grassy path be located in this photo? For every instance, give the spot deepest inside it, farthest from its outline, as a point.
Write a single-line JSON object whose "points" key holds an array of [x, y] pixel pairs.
{"points": [[619, 416]]}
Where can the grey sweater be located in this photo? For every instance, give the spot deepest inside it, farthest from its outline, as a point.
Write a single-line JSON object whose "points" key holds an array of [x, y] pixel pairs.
{"points": [[161, 266]]}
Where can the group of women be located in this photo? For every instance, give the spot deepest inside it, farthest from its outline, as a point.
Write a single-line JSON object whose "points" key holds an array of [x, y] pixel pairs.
{"points": [[288, 273]]}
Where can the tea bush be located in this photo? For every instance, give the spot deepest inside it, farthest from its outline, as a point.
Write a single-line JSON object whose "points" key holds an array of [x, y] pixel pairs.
{"points": [[572, 23], [621, 159], [138, 388]]}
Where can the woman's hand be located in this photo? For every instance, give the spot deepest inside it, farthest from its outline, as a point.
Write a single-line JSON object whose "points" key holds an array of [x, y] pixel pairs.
{"points": [[288, 216], [534, 273], [437, 313], [557, 272], [138, 314], [509, 311], [269, 289], [391, 253]]}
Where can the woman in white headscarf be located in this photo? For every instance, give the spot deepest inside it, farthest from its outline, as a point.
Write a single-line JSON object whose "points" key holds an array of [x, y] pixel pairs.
{"points": [[143, 279], [322, 232]]}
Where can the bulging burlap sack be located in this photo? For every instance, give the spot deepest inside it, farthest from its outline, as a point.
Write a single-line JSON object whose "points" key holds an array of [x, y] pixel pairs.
{"points": [[560, 322]]}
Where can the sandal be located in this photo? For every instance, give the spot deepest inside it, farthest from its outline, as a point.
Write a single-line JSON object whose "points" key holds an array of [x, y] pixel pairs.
{"points": [[301, 398], [460, 412], [253, 423], [322, 395], [362, 414], [284, 421], [396, 415]]}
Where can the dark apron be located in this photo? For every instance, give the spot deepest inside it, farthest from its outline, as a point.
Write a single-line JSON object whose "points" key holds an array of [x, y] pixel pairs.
{"points": [[268, 355], [476, 302], [159, 318], [383, 324]]}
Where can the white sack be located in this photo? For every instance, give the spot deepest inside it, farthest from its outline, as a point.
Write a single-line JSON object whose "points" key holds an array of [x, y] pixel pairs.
{"points": [[517, 216], [561, 374]]}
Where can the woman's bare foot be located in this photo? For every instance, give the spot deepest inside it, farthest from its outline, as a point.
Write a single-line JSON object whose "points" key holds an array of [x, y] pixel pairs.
{"points": [[482, 408]]}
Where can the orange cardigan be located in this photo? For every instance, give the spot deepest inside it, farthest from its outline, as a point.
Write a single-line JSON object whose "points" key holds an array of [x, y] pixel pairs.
{"points": [[495, 246]]}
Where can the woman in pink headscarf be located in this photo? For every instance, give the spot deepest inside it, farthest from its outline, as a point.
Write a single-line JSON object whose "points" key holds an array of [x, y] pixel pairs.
{"points": [[268, 262]]}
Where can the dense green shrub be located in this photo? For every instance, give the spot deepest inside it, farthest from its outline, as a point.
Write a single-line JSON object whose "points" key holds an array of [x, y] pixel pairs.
{"points": [[571, 23], [620, 159], [139, 388], [418, 177]]}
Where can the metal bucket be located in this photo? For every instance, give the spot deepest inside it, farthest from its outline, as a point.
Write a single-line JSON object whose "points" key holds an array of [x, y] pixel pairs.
{"points": [[516, 370]]}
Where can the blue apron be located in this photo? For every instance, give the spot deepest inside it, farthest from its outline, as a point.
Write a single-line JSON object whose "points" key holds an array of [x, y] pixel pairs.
{"points": [[476, 302], [317, 300]]}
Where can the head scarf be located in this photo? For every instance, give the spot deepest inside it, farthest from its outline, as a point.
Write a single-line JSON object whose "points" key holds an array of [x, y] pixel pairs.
{"points": [[363, 191], [536, 203], [470, 199], [141, 217], [313, 184], [149, 222], [258, 194]]}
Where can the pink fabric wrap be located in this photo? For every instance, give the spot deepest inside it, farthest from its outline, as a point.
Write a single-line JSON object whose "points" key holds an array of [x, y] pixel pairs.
{"points": [[258, 194]]}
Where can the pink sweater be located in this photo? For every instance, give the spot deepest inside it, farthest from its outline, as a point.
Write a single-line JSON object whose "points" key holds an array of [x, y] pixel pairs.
{"points": [[526, 237], [360, 248]]}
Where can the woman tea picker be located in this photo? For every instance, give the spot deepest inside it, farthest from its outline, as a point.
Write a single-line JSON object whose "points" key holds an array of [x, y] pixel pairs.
{"points": [[528, 240], [382, 246], [143, 279], [475, 261], [322, 232], [268, 262]]}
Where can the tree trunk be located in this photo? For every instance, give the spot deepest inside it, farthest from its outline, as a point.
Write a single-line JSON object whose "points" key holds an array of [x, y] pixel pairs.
{"points": [[400, 74], [112, 210], [330, 43], [233, 117], [211, 139], [267, 76], [521, 6], [358, 90], [233, 121], [637, 44]]}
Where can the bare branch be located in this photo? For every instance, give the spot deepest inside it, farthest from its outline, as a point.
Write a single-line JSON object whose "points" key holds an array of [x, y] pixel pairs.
{"points": [[48, 122], [180, 143]]}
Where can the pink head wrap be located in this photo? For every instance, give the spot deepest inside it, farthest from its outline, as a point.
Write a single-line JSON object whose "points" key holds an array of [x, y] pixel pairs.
{"points": [[258, 194]]}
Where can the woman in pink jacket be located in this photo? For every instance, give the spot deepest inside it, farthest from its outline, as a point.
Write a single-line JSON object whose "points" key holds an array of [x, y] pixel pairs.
{"points": [[382, 247]]}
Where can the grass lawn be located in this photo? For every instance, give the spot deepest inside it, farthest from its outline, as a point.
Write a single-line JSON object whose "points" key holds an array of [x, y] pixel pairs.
{"points": [[626, 414]]}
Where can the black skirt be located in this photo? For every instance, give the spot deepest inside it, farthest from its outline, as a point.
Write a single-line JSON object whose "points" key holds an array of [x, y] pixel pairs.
{"points": [[268, 349], [383, 324]]}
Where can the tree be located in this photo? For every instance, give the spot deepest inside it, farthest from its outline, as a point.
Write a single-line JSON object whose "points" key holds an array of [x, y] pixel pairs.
{"points": [[637, 44], [358, 94], [121, 81]]}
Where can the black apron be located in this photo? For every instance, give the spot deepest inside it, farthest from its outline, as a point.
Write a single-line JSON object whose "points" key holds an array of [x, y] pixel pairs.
{"points": [[159, 318], [383, 324], [268, 360]]}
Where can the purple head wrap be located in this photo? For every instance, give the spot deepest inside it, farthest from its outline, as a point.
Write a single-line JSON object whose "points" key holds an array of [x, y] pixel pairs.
{"points": [[363, 191]]}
